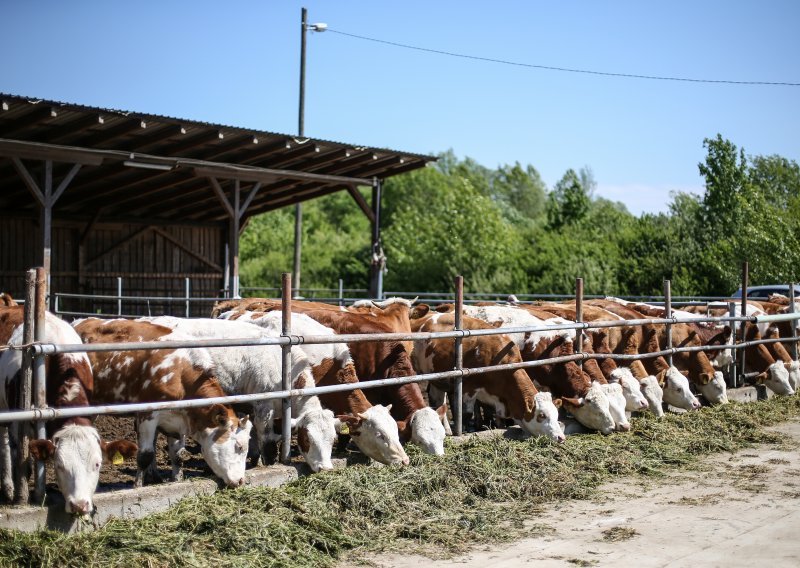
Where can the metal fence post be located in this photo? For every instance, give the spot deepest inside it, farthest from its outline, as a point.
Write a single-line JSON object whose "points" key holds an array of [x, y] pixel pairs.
{"points": [[458, 385], [286, 367], [119, 295], [668, 314], [39, 374], [21, 493], [745, 283], [341, 292], [578, 347], [188, 309], [793, 349], [734, 368]]}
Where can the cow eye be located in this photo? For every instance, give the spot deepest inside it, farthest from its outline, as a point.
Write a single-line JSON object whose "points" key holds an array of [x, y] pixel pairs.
{"points": [[97, 466]]}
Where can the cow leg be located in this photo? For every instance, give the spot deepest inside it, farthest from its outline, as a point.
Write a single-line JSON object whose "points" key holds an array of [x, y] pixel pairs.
{"points": [[267, 438], [6, 471], [177, 455], [146, 426]]}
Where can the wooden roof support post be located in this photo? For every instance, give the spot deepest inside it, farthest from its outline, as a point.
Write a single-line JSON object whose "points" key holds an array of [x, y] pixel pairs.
{"points": [[235, 211], [378, 262], [46, 198]]}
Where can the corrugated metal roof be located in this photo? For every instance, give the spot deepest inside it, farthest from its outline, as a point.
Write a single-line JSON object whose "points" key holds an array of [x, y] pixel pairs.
{"points": [[126, 193]]}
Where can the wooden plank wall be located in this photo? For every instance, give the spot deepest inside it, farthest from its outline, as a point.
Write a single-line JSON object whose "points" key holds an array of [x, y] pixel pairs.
{"points": [[149, 263]]}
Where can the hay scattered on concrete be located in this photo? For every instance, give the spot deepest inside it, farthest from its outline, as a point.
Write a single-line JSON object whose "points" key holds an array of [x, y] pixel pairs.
{"points": [[617, 534], [477, 493]]}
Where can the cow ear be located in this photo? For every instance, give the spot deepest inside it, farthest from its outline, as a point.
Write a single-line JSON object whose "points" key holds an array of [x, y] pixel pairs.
{"points": [[404, 430], [219, 416], [118, 450], [442, 411], [348, 421], [41, 450], [576, 402], [419, 311], [557, 402]]}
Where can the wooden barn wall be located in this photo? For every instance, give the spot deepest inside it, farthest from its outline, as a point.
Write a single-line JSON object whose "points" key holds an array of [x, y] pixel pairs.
{"points": [[148, 263]]}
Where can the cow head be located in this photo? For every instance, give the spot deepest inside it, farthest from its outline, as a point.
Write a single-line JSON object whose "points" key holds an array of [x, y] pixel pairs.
{"points": [[592, 409], [631, 389], [316, 433], [616, 406], [777, 379], [375, 433], [542, 419], [428, 429], [654, 394], [676, 389], [224, 444], [712, 387], [794, 374], [77, 453]]}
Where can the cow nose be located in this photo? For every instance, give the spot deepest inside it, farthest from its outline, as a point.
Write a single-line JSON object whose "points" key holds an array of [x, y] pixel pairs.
{"points": [[624, 427], [695, 404], [644, 404], [405, 460], [326, 467], [79, 506], [561, 438]]}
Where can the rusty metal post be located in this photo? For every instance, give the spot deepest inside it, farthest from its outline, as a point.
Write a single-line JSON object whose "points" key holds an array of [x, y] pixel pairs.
{"points": [[793, 349], [668, 314], [745, 283], [579, 318], [734, 368], [456, 405], [286, 367], [21, 493], [39, 374]]}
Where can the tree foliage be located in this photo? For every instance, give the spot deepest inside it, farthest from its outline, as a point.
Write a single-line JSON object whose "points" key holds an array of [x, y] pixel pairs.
{"points": [[505, 232]]}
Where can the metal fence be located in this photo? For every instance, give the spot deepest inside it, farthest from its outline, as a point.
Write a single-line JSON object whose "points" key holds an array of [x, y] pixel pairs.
{"points": [[33, 381]]}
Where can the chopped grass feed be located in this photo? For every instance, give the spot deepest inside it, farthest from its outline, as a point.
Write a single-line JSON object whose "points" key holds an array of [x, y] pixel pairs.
{"points": [[474, 494]]}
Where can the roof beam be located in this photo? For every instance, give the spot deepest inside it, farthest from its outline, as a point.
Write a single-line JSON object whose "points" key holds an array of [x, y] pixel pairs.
{"points": [[37, 151], [39, 114], [362, 203], [124, 127]]}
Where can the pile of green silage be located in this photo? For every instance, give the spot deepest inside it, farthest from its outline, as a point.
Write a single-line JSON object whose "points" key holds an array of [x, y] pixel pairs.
{"points": [[476, 493]]}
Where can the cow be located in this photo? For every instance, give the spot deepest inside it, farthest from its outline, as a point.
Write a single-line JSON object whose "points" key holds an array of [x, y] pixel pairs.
{"points": [[416, 421], [651, 338], [761, 359], [511, 393], [74, 445], [257, 369], [563, 379], [616, 406], [419, 424], [597, 341], [167, 375]]}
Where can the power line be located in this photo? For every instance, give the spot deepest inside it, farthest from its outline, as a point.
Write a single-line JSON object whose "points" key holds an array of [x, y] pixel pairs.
{"points": [[564, 69]]}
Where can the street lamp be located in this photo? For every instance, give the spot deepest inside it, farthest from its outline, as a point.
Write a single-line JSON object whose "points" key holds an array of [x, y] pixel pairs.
{"points": [[298, 210]]}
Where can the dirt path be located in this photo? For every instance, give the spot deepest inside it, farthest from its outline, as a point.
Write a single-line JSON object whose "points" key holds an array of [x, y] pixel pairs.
{"points": [[741, 510]]}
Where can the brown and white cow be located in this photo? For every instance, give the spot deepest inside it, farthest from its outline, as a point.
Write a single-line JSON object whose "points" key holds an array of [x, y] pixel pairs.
{"points": [[769, 361], [652, 338], [164, 375], [597, 341], [257, 369], [511, 392], [74, 444], [565, 380], [416, 421], [372, 427]]}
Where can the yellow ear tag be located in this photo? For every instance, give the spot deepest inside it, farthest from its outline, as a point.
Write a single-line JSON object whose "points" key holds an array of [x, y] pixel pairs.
{"points": [[344, 429], [117, 458]]}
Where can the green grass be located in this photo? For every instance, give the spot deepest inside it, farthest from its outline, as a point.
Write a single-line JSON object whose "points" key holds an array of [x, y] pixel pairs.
{"points": [[476, 494]]}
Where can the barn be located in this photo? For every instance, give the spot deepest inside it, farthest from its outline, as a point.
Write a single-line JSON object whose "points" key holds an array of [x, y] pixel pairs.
{"points": [[95, 195]]}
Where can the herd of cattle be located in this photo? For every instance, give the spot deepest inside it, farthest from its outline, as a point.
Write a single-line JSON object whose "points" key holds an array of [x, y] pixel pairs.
{"points": [[599, 394]]}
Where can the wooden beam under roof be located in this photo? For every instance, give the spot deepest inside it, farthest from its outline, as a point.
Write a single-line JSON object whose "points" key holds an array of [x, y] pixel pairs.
{"points": [[38, 151], [35, 116]]}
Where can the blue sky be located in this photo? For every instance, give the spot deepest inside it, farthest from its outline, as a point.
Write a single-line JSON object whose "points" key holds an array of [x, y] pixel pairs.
{"points": [[237, 63]]}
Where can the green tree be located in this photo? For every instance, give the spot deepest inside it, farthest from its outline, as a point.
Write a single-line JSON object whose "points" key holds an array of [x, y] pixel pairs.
{"points": [[568, 203]]}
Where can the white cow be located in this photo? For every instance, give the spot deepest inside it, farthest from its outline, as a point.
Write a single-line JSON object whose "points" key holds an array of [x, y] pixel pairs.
{"points": [[253, 370], [377, 436]]}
